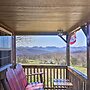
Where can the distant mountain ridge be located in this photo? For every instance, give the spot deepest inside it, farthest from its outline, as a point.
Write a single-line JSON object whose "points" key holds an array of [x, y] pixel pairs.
{"points": [[31, 51]]}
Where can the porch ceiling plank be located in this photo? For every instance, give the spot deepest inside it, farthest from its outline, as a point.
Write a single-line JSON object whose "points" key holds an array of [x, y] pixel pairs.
{"points": [[45, 2], [44, 15]]}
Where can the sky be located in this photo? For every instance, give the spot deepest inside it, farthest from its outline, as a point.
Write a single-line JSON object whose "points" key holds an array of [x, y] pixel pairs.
{"points": [[53, 40], [5, 42]]}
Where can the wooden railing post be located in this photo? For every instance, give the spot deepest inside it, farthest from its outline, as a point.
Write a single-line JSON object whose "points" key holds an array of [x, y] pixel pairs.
{"points": [[68, 50], [88, 56]]}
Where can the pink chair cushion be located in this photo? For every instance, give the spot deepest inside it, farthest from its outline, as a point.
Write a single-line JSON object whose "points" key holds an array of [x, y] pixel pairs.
{"points": [[34, 87], [29, 87], [19, 79], [12, 80], [22, 79], [20, 73]]}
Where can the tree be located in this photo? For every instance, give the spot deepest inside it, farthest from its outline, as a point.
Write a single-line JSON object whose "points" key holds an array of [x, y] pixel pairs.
{"points": [[74, 61], [23, 40]]}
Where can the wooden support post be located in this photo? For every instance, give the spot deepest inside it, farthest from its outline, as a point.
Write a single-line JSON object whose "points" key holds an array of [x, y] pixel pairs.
{"points": [[67, 55], [13, 49], [88, 56], [68, 50]]}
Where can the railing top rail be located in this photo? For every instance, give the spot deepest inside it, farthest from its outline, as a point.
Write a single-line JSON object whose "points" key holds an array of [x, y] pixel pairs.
{"points": [[77, 73], [43, 65]]}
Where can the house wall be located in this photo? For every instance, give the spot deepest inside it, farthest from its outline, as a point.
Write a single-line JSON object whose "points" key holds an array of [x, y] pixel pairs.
{"points": [[6, 52]]}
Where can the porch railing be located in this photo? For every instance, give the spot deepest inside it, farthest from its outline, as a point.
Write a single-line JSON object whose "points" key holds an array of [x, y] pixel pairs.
{"points": [[78, 79], [50, 72]]}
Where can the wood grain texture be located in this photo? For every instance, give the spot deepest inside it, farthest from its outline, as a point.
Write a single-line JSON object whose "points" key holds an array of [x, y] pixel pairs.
{"points": [[44, 15]]}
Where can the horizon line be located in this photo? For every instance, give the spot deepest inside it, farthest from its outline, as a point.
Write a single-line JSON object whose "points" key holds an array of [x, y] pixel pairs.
{"points": [[50, 46]]}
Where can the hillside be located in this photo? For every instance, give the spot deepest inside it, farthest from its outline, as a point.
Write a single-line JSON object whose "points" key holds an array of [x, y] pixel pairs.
{"points": [[51, 55]]}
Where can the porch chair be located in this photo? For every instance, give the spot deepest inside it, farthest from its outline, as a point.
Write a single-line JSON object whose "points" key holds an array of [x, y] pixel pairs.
{"points": [[22, 77], [17, 80]]}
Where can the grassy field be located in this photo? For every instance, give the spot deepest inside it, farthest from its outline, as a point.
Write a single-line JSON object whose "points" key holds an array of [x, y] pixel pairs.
{"points": [[34, 61], [82, 69]]}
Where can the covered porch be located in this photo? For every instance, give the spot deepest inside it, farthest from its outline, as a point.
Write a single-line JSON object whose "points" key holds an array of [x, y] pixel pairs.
{"points": [[43, 17]]}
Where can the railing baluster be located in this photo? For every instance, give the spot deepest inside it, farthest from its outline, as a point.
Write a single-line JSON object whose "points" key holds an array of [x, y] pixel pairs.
{"points": [[30, 76], [36, 70], [47, 77], [44, 77], [60, 73], [54, 73], [27, 74], [57, 73], [34, 75], [50, 77], [64, 73]]}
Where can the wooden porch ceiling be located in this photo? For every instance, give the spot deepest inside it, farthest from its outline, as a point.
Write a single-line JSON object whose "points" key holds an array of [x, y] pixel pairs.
{"points": [[25, 16]]}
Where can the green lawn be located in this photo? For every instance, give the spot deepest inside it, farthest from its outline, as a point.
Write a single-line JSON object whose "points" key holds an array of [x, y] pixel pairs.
{"points": [[82, 69], [34, 61]]}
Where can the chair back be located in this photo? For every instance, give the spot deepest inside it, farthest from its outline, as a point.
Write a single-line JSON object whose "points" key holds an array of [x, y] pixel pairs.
{"points": [[21, 75], [12, 80]]}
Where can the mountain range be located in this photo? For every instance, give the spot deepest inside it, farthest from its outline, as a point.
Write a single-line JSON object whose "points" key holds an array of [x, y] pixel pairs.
{"points": [[31, 51]]}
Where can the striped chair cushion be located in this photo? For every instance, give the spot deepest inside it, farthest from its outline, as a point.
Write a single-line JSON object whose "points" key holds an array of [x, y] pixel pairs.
{"points": [[20, 73], [12, 80], [35, 86], [19, 79], [22, 79]]}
